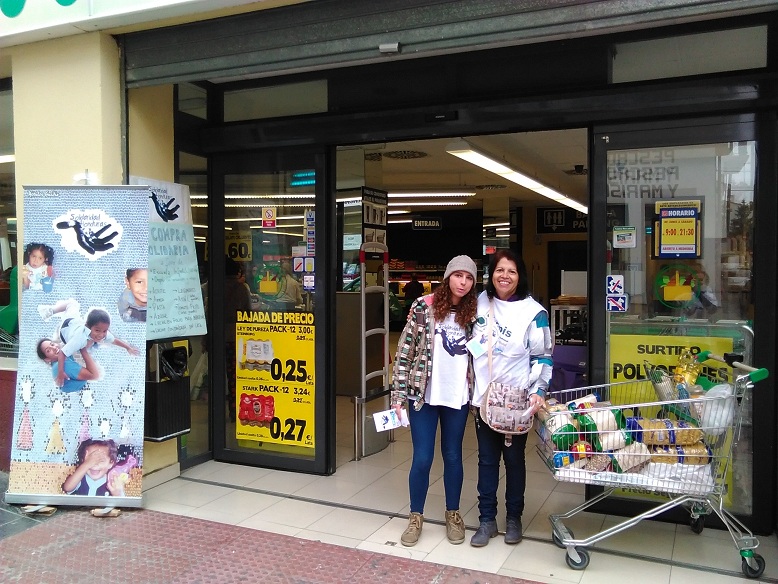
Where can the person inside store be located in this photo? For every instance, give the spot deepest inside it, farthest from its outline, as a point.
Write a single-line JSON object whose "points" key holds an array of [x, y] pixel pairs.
{"points": [[412, 290], [289, 289], [520, 347], [437, 390], [236, 298]]}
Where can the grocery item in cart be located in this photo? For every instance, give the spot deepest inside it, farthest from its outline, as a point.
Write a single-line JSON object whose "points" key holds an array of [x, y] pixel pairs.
{"points": [[631, 458], [576, 456], [558, 425], [604, 429], [718, 414], [662, 432], [697, 453], [583, 402]]}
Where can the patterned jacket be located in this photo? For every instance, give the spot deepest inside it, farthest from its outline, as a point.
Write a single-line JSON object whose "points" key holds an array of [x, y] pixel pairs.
{"points": [[412, 367]]}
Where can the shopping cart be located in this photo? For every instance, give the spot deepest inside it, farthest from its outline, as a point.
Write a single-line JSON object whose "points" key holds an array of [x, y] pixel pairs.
{"points": [[646, 435]]}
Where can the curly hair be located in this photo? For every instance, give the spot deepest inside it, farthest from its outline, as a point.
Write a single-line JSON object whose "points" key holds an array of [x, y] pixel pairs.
{"points": [[442, 305]]}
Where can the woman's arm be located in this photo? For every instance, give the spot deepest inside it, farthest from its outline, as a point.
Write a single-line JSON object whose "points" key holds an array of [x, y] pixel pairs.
{"points": [[540, 346], [406, 353]]}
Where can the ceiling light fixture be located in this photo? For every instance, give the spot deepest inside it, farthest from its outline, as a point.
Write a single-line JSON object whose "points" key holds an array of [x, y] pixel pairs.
{"points": [[462, 149], [506, 224], [7, 158], [427, 203], [432, 194], [393, 221]]}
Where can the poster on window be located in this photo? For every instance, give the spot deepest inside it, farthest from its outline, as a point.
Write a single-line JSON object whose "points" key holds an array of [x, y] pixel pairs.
{"points": [[677, 230], [275, 378], [80, 387], [175, 302]]}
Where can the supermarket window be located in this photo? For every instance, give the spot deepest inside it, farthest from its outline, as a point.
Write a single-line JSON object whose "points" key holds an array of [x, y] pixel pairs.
{"points": [[8, 316]]}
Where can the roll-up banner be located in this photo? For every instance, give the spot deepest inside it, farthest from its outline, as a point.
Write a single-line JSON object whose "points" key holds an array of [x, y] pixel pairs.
{"points": [[78, 420]]}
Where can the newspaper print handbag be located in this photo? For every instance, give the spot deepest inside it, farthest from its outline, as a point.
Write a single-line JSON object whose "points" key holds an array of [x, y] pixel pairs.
{"points": [[505, 407]]}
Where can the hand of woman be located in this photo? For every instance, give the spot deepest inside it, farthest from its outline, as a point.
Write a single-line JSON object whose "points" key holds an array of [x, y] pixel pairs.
{"points": [[536, 401]]}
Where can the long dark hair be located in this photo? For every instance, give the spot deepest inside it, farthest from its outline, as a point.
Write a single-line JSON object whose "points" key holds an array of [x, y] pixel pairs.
{"points": [[522, 290], [442, 305]]}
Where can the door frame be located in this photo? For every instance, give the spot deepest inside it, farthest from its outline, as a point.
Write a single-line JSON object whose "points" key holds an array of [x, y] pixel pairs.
{"points": [[250, 162], [762, 129]]}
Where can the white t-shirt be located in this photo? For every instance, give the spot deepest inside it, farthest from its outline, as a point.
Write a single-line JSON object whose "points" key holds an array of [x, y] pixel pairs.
{"points": [[448, 384], [521, 345]]}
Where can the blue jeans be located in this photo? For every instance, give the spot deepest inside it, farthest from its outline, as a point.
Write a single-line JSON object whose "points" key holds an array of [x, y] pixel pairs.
{"points": [[424, 427], [491, 445]]}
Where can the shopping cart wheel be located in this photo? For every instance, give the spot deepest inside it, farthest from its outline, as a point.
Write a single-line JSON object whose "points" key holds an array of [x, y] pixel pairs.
{"points": [[583, 559], [751, 571], [697, 524], [558, 542]]}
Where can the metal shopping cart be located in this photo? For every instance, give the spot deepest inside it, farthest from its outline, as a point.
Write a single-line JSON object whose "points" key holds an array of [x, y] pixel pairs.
{"points": [[649, 435]]}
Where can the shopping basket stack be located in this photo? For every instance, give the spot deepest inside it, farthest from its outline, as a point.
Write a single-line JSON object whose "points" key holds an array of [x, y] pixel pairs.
{"points": [[656, 435]]}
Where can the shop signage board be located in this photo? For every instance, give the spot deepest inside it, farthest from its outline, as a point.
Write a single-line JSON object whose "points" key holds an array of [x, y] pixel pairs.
{"points": [[238, 245], [427, 224], [175, 304], [276, 378], [677, 230], [78, 438], [561, 220], [375, 208]]}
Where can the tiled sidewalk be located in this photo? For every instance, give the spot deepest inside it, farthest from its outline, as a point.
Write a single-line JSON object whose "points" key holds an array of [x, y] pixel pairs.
{"points": [[142, 546]]}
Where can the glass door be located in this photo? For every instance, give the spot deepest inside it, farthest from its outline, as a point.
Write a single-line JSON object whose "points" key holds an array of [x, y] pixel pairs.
{"points": [[269, 288], [673, 268]]}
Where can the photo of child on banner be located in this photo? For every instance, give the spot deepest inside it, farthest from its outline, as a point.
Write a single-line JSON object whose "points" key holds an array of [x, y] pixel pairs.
{"points": [[78, 421]]}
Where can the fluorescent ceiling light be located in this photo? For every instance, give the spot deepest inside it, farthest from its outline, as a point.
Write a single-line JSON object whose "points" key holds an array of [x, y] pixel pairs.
{"points": [[506, 224], [349, 200], [466, 152], [397, 212], [260, 205], [275, 232], [392, 221], [275, 196], [427, 203], [7, 158], [420, 195]]}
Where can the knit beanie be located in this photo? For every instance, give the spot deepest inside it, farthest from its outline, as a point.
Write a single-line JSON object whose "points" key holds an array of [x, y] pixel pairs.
{"points": [[461, 263]]}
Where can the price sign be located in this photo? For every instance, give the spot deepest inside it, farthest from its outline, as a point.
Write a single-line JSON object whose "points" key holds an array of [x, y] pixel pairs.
{"points": [[238, 245], [275, 377]]}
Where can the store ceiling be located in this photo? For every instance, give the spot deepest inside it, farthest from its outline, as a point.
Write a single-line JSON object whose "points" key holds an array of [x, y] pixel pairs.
{"points": [[558, 159]]}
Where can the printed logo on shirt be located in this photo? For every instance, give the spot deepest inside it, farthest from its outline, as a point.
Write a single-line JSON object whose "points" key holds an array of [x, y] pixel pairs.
{"points": [[452, 339]]}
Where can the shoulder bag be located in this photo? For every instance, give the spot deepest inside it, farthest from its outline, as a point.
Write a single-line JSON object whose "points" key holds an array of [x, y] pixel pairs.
{"points": [[504, 407]]}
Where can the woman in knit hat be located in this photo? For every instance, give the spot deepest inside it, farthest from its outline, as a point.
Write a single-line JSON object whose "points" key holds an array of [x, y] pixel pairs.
{"points": [[437, 389]]}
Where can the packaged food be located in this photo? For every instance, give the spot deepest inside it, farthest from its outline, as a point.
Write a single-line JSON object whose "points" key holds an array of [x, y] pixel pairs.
{"points": [[697, 453], [575, 404], [631, 458], [663, 432], [604, 429], [559, 426]]}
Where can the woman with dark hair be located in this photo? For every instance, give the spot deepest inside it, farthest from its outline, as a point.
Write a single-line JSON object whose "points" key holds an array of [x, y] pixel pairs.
{"points": [[520, 347], [437, 390]]}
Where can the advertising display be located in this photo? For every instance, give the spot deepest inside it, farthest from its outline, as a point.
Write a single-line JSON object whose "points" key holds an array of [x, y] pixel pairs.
{"points": [[78, 421], [678, 230], [275, 377], [175, 302]]}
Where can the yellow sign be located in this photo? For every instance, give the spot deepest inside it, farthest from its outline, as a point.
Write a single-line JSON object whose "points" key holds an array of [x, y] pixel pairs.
{"points": [[238, 245], [275, 378], [628, 354]]}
